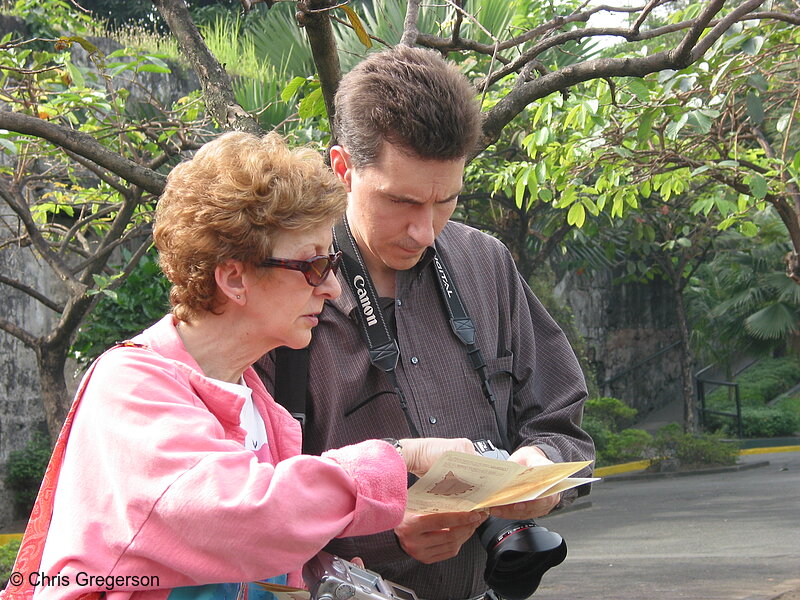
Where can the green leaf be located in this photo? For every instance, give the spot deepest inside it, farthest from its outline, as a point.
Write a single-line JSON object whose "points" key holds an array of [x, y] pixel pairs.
{"points": [[77, 76], [755, 109], [684, 242], [8, 145], [758, 81], [700, 121], [758, 187], [639, 89], [291, 89], [151, 68], [699, 170], [542, 136], [576, 215], [772, 322], [753, 45], [312, 105], [783, 123], [748, 228], [674, 127], [645, 126]]}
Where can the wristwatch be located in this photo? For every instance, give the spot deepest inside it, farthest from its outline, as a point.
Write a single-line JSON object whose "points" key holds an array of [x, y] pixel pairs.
{"points": [[397, 445]]}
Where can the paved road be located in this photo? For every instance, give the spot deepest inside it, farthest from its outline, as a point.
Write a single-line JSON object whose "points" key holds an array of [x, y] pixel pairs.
{"points": [[722, 536]]}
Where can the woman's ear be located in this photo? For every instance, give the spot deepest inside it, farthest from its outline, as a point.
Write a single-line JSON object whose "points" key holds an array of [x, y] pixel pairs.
{"points": [[229, 275], [341, 165]]}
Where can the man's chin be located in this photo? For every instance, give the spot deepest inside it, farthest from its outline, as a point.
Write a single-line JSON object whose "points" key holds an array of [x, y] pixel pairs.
{"points": [[405, 261]]}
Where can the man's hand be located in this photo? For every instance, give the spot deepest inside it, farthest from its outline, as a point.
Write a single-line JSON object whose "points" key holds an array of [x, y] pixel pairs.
{"points": [[435, 537], [528, 456]]}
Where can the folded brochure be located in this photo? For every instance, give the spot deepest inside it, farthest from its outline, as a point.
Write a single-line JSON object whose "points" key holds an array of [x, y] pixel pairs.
{"points": [[460, 482]]}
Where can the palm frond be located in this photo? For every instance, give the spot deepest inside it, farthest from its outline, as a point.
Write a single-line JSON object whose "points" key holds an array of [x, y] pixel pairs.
{"points": [[772, 322]]}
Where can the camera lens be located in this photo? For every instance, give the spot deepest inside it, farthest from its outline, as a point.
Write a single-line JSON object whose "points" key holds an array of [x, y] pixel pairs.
{"points": [[518, 554]]}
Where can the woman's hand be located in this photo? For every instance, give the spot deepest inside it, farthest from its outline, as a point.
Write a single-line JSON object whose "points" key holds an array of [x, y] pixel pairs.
{"points": [[421, 453]]}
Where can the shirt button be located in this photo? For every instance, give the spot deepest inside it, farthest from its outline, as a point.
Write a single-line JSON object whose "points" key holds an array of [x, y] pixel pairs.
{"points": [[399, 302], [432, 420], [414, 360]]}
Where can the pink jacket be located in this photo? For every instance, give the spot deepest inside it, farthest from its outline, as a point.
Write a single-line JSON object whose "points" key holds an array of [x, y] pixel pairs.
{"points": [[156, 483]]}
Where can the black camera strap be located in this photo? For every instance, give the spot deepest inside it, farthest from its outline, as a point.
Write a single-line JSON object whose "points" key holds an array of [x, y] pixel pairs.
{"points": [[464, 329], [384, 353]]}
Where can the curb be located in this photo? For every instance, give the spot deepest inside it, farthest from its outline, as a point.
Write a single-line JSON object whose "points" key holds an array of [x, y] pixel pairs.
{"points": [[709, 471], [640, 465]]}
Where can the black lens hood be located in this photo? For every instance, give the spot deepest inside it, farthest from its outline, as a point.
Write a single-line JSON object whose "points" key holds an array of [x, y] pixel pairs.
{"points": [[518, 554]]}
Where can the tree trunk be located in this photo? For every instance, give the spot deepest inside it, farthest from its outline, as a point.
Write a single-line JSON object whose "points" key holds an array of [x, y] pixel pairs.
{"points": [[689, 402], [55, 398]]}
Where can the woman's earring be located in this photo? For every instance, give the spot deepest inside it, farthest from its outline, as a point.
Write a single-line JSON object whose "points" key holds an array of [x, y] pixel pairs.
{"points": [[238, 297]]}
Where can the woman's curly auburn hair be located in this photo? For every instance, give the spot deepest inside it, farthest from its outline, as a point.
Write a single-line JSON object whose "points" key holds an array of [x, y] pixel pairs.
{"points": [[229, 202]]}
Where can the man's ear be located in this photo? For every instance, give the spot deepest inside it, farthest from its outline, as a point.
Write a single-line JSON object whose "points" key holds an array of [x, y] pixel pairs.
{"points": [[341, 165], [229, 275]]}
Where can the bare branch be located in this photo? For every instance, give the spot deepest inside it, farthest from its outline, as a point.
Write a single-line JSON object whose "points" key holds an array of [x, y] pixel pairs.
{"points": [[687, 50], [100, 173], [410, 29], [25, 337], [17, 203], [32, 293], [84, 145], [314, 16], [217, 87]]}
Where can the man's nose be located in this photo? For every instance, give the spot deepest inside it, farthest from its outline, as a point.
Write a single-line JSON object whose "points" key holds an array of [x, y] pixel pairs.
{"points": [[421, 228]]}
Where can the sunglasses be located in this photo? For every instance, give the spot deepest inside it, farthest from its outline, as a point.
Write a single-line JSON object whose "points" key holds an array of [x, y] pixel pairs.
{"points": [[314, 269]]}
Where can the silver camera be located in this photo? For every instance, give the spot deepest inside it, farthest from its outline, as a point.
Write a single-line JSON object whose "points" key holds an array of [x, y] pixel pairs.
{"points": [[329, 577]]}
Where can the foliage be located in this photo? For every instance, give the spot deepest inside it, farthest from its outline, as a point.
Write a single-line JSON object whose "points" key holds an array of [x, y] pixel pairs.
{"points": [[8, 554], [765, 421], [740, 302], [141, 300], [51, 19], [611, 412], [692, 451], [764, 381], [608, 420], [790, 405], [628, 445], [24, 471], [758, 386]]}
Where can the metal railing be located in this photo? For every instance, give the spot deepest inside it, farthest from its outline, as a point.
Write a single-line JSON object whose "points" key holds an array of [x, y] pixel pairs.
{"points": [[700, 383]]}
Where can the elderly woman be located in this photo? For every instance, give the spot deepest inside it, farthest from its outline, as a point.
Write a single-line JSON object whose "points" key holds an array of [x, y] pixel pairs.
{"points": [[181, 476]]}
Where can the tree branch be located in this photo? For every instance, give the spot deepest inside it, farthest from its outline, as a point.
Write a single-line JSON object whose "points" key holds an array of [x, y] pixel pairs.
{"points": [[84, 145], [410, 29], [26, 338], [217, 88], [17, 203], [316, 21], [29, 291]]}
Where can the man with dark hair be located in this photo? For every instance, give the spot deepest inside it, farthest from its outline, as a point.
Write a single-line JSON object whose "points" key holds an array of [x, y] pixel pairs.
{"points": [[406, 122]]}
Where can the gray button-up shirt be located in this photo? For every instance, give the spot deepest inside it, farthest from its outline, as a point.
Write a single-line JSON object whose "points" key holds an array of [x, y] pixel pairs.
{"points": [[537, 383]]}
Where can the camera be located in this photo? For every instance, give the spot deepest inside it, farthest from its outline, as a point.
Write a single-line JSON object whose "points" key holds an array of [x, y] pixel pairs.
{"points": [[518, 552], [329, 577]]}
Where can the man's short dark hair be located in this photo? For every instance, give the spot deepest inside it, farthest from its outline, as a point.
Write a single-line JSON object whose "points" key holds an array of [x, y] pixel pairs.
{"points": [[411, 98]]}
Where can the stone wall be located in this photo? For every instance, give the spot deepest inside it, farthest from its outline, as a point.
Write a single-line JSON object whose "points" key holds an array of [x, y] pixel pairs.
{"points": [[630, 333]]}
